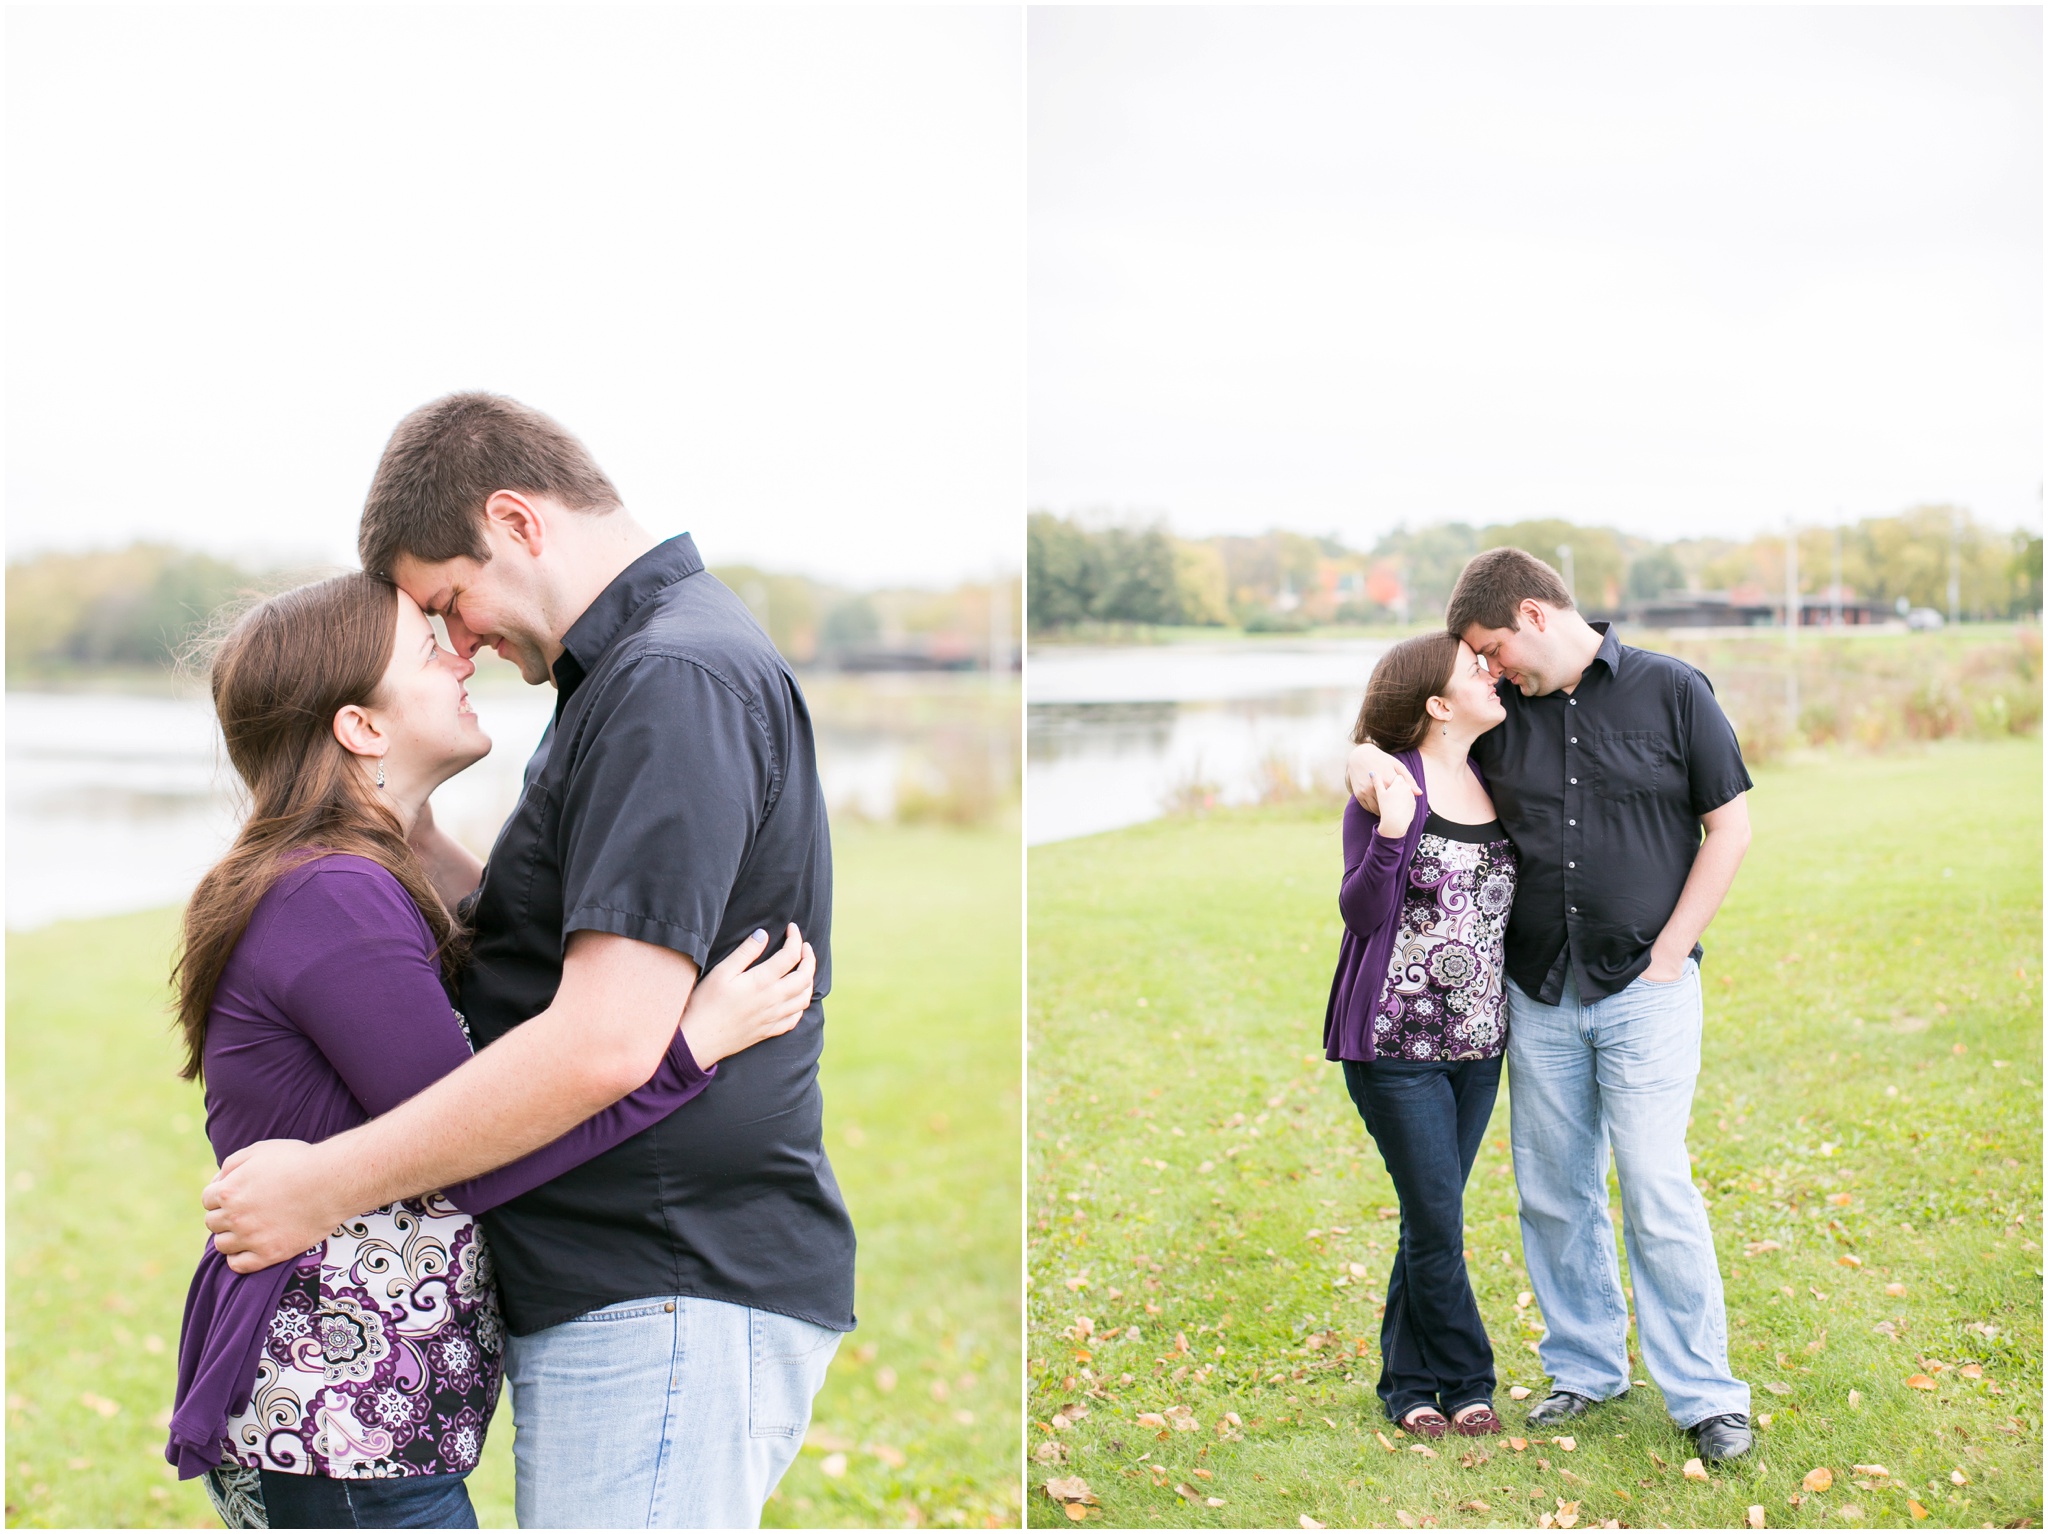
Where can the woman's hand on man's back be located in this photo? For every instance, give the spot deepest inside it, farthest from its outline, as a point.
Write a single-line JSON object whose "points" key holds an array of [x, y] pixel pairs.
{"points": [[741, 1002]]}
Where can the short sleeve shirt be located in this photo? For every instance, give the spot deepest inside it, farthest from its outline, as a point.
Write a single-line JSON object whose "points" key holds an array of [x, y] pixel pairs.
{"points": [[1602, 790], [674, 799]]}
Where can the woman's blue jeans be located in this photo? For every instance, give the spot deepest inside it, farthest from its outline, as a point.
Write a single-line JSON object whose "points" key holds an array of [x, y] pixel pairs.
{"points": [[1428, 1118]]}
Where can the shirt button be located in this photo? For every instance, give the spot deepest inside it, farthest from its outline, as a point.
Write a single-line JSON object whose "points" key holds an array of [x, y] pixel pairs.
{"points": [[1575, 910], [1573, 701], [1572, 865], [1575, 780], [1575, 740], [1571, 822]]}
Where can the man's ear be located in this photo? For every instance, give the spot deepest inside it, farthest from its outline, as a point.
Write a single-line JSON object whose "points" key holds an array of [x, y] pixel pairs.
{"points": [[1534, 614], [518, 518]]}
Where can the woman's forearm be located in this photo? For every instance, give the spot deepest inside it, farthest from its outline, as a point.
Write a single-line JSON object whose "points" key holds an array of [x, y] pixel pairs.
{"points": [[452, 868]]}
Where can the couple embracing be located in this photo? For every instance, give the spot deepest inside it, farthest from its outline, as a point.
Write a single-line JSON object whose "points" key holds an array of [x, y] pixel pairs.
{"points": [[1544, 821], [552, 1119]]}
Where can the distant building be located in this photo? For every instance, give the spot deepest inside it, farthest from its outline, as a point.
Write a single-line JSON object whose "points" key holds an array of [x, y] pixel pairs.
{"points": [[1743, 607]]}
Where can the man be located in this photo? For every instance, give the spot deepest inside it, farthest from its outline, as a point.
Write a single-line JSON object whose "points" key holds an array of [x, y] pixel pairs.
{"points": [[672, 807], [1610, 762]]}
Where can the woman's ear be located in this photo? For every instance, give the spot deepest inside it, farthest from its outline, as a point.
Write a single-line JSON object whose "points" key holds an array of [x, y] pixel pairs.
{"points": [[1438, 708], [358, 732]]}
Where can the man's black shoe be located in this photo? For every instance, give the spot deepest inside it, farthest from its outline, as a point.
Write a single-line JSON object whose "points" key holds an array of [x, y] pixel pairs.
{"points": [[1723, 1437], [1558, 1406]]}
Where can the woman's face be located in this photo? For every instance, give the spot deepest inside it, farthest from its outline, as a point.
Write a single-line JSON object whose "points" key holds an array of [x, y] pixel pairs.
{"points": [[1470, 692], [422, 707]]}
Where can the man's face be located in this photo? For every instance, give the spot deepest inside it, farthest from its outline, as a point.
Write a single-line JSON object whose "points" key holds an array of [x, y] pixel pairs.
{"points": [[1519, 654], [482, 603]]}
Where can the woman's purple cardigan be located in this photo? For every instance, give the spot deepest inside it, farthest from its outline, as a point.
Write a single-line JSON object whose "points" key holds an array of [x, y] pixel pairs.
{"points": [[1375, 876]]}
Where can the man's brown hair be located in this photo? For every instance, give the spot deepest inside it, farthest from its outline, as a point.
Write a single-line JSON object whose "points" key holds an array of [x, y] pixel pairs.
{"points": [[1395, 713], [449, 457], [1493, 586]]}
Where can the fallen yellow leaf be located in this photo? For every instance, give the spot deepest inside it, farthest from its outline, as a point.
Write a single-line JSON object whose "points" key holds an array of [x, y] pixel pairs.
{"points": [[1518, 1444], [1850, 1260], [1310, 1523], [1756, 1515], [1919, 1382], [1971, 1371], [1959, 1478], [1069, 1488], [1870, 1470], [832, 1466], [1212, 1501], [1894, 1290], [1384, 1443], [1150, 1419], [1077, 1512], [1818, 1479], [1518, 1392], [1566, 1444], [1915, 1508], [1695, 1471]]}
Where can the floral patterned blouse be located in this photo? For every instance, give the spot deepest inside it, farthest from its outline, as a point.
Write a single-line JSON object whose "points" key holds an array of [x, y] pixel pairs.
{"points": [[1443, 999], [384, 1355]]}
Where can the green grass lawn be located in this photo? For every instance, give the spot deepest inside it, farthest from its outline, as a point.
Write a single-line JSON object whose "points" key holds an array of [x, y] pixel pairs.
{"points": [[918, 1421], [1210, 1227]]}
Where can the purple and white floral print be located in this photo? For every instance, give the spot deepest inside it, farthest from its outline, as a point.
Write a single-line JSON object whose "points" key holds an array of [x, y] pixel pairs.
{"points": [[1443, 999], [384, 1356]]}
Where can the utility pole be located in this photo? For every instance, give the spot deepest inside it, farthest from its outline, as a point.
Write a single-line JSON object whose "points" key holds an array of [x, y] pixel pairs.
{"points": [[1835, 600], [1955, 571], [1792, 625], [1564, 556], [999, 746]]}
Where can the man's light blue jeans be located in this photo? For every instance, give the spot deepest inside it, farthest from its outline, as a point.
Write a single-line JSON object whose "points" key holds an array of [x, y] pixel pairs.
{"points": [[1619, 1072], [673, 1413]]}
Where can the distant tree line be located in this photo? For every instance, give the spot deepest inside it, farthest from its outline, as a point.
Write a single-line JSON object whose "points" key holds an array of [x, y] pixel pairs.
{"points": [[147, 606], [1081, 573]]}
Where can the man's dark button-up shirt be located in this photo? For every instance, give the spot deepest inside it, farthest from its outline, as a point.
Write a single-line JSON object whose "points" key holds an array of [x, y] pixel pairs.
{"points": [[673, 800], [1602, 789]]}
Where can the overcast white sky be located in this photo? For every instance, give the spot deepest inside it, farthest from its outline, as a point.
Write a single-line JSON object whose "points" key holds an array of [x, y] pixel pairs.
{"points": [[769, 264], [1684, 271]]}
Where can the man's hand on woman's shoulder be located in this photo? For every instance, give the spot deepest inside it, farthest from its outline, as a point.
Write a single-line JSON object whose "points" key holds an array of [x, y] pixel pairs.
{"points": [[1364, 765]]}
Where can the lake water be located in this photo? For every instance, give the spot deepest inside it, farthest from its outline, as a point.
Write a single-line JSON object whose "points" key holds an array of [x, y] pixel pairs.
{"points": [[1117, 736], [118, 802]]}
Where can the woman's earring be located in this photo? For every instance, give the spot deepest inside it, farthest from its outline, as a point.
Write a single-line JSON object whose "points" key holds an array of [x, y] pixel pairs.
{"points": [[380, 772]]}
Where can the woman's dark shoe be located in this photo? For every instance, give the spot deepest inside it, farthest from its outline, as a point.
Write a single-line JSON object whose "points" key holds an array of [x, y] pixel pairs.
{"points": [[1558, 1406], [1724, 1437], [1475, 1421], [1426, 1422]]}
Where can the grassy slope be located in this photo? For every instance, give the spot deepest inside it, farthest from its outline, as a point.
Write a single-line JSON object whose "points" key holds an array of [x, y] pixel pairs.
{"points": [[106, 1158], [1871, 1090]]}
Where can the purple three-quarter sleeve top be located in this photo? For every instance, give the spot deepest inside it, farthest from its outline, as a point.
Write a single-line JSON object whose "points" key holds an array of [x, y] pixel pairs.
{"points": [[1369, 899], [330, 1011]]}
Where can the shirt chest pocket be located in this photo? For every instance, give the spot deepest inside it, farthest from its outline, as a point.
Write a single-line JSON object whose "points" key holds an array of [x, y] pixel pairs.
{"points": [[1624, 765]]}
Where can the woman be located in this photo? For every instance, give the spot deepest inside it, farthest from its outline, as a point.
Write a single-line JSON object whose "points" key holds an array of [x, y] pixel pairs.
{"points": [[352, 1387], [1417, 1014]]}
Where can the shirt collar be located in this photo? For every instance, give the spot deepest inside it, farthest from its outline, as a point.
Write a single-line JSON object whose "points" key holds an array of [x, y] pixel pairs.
{"points": [[1610, 647], [604, 620]]}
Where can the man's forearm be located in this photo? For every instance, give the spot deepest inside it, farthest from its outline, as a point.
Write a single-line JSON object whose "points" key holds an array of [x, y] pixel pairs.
{"points": [[524, 1091], [1706, 886]]}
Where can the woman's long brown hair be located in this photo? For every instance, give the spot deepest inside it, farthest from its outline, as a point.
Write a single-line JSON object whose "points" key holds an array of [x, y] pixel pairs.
{"points": [[1395, 713], [285, 669]]}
